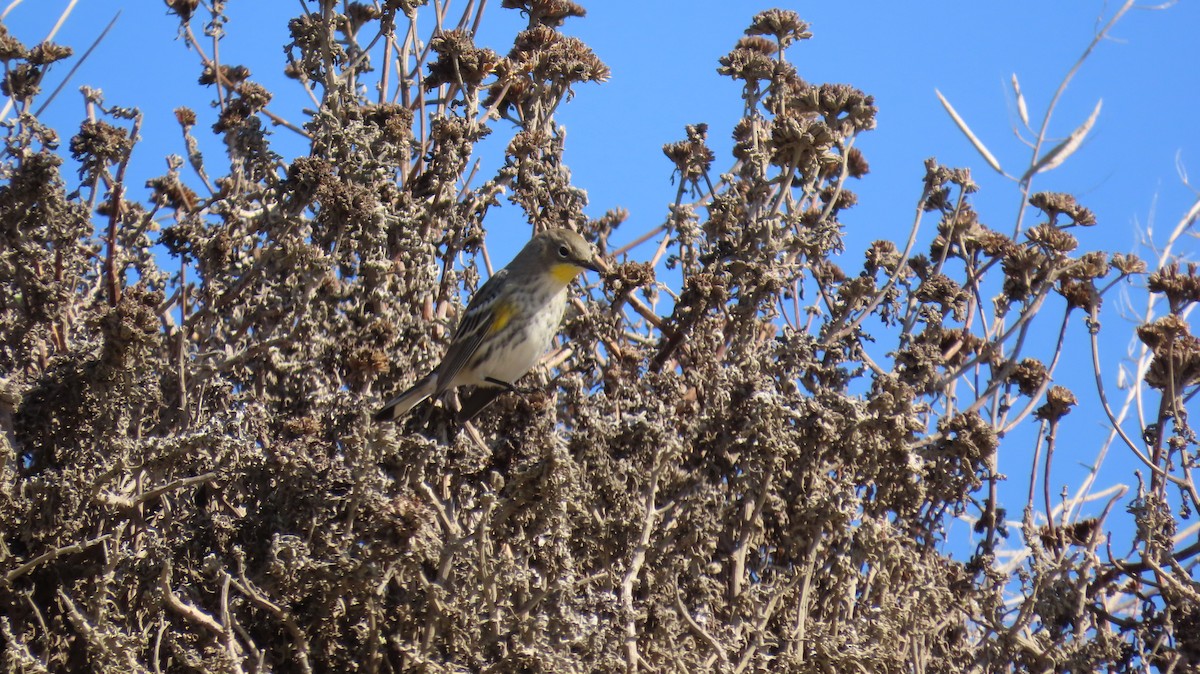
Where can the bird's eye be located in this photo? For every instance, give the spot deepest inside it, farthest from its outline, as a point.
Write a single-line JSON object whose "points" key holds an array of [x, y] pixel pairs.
{"points": [[564, 252]]}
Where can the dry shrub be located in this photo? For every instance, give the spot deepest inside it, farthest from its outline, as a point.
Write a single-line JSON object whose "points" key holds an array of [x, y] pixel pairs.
{"points": [[752, 474]]}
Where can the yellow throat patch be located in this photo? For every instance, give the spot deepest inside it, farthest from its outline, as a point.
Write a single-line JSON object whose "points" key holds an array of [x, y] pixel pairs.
{"points": [[564, 272]]}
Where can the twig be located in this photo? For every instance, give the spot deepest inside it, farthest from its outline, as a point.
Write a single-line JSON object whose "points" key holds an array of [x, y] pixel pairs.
{"points": [[634, 570], [73, 549], [300, 642], [1027, 182], [202, 619], [129, 503], [700, 631], [78, 63]]}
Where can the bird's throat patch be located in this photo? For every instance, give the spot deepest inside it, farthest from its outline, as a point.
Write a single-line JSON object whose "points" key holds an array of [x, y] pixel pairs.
{"points": [[564, 272]]}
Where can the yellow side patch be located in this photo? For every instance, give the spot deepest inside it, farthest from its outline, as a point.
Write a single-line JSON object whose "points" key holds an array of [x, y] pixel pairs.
{"points": [[503, 313], [564, 272]]}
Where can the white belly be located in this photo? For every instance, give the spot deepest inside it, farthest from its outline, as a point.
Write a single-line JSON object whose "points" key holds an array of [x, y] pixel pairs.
{"points": [[520, 355]]}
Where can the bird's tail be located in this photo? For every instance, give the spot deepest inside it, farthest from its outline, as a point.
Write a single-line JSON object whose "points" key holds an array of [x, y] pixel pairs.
{"points": [[401, 404]]}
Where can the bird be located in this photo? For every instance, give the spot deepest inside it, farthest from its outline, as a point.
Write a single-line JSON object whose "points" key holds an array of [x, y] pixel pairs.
{"points": [[507, 326]]}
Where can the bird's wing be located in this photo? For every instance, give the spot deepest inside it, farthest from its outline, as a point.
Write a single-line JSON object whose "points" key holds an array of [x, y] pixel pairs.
{"points": [[486, 313]]}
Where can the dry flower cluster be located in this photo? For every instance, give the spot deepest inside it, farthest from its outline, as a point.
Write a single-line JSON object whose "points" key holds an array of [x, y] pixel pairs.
{"points": [[749, 472]]}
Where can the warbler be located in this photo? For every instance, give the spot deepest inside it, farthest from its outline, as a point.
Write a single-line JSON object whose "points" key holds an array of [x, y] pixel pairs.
{"points": [[507, 327]]}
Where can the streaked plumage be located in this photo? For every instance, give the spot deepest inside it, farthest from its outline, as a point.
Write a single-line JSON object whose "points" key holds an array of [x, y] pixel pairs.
{"points": [[507, 326]]}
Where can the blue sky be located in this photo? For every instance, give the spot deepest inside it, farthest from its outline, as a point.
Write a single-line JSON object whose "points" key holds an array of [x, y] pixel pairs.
{"points": [[663, 57]]}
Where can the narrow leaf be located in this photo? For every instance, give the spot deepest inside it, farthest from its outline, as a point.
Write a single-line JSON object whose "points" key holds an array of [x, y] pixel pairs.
{"points": [[962, 126], [1059, 153], [1021, 109]]}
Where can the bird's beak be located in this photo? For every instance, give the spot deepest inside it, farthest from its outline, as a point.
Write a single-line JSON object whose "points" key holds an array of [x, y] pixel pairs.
{"points": [[593, 264]]}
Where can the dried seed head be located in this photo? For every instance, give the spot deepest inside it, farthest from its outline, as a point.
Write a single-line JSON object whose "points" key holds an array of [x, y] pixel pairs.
{"points": [[945, 292], [1176, 361], [937, 200], [364, 363], [759, 44], [629, 276], [1023, 266], [169, 191], [842, 198], [801, 140], [358, 14], [528, 144], [956, 229], [47, 53], [992, 243], [829, 274], [750, 138], [554, 57], [844, 109], [10, 47], [230, 75], [98, 144], [856, 163], [1128, 264], [551, 13], [1089, 266], [251, 98], [1054, 204], [130, 326], [184, 9], [882, 255], [393, 120], [1051, 238], [185, 116], [939, 179], [1076, 533], [692, 157], [406, 7], [1029, 376], [542, 56], [1059, 401], [21, 82], [307, 177], [784, 86], [782, 24], [1181, 288], [747, 64], [1079, 294], [459, 61], [1163, 332]]}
